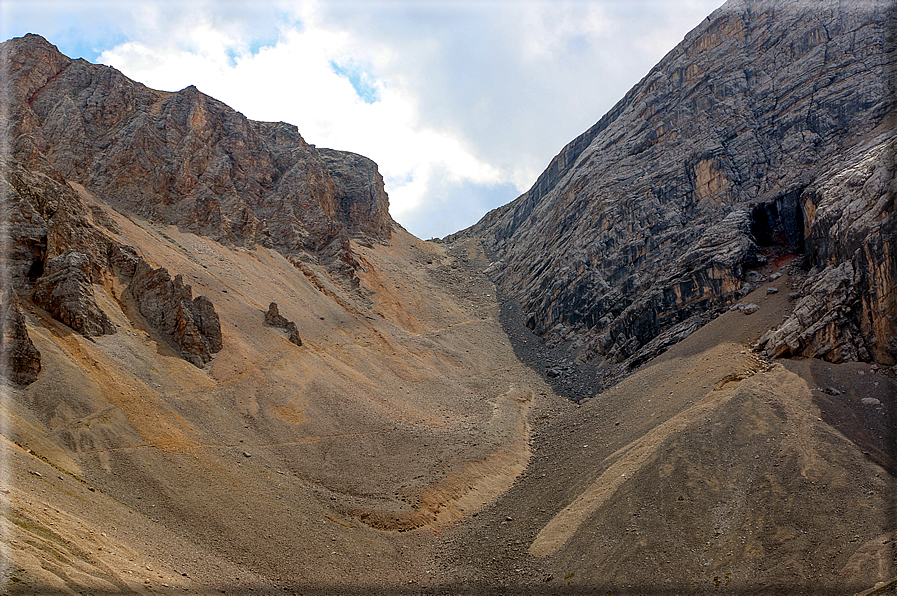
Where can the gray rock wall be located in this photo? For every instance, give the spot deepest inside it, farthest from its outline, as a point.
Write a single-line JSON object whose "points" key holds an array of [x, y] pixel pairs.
{"points": [[701, 175]]}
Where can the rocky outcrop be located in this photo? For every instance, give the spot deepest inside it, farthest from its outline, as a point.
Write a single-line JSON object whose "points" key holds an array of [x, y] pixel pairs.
{"points": [[20, 359], [46, 216], [847, 308], [54, 253], [168, 305], [25, 237], [66, 292], [702, 176], [275, 319], [187, 159], [362, 204]]}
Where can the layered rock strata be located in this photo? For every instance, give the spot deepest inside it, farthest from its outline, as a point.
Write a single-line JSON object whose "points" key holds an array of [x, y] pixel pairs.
{"points": [[711, 170]]}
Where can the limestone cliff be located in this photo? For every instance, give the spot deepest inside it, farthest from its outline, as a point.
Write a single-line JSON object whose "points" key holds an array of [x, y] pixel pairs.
{"points": [[765, 134]]}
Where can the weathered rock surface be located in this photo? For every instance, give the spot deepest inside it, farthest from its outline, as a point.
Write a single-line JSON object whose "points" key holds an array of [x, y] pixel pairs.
{"points": [[46, 218], [187, 159], [58, 256], [168, 305], [275, 319], [707, 171], [20, 359], [848, 308], [66, 292]]}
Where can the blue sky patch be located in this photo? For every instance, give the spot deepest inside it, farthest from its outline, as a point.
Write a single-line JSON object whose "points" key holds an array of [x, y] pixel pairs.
{"points": [[452, 206], [73, 45], [362, 81]]}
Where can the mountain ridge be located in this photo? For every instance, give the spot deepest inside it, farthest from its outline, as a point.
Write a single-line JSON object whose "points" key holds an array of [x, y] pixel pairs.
{"points": [[408, 433]]}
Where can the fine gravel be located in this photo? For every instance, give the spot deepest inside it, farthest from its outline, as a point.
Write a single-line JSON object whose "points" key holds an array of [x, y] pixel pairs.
{"points": [[416, 444]]}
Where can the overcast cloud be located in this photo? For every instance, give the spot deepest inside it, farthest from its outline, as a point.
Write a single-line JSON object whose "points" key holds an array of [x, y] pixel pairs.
{"points": [[461, 103]]}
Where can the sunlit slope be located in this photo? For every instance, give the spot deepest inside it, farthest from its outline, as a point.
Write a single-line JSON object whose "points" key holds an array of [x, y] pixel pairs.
{"points": [[404, 408]]}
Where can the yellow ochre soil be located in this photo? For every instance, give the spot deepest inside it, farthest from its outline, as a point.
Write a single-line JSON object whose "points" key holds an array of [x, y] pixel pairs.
{"points": [[404, 448]]}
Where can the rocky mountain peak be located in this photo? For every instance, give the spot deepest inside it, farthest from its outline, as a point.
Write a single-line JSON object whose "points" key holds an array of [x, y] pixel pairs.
{"points": [[187, 159]]}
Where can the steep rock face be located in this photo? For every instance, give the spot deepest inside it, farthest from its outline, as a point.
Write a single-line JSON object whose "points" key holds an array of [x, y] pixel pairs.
{"points": [[848, 307], [187, 159], [46, 217], [169, 306], [360, 197], [699, 177], [20, 359]]}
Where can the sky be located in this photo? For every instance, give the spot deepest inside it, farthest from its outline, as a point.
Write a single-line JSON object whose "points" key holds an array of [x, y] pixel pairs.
{"points": [[462, 103]]}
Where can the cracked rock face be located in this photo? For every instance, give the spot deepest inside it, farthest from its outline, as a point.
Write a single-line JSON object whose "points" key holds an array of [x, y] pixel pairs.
{"points": [[168, 305], [725, 157], [21, 360], [361, 200], [187, 159]]}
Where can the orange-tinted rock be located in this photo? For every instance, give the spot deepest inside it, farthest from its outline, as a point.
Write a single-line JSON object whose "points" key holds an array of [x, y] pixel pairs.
{"points": [[847, 308]]}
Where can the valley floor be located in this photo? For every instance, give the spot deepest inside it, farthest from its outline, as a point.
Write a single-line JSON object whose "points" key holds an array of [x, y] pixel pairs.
{"points": [[406, 448]]}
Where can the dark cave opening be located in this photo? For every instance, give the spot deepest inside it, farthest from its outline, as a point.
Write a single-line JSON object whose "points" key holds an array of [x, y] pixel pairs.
{"points": [[36, 270], [778, 225]]}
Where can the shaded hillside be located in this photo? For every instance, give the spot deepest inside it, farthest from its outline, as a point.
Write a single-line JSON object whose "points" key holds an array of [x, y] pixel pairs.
{"points": [[766, 134]]}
